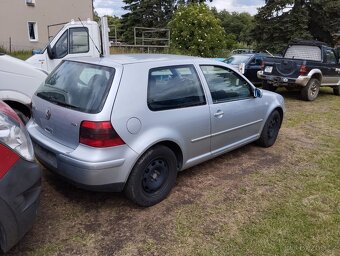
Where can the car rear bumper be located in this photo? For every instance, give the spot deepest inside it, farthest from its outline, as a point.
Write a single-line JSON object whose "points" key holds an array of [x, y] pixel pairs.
{"points": [[103, 169], [19, 201], [284, 81]]}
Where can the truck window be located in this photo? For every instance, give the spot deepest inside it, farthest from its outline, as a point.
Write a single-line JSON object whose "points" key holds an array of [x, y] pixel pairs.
{"points": [[303, 52], [330, 56], [61, 46], [79, 40]]}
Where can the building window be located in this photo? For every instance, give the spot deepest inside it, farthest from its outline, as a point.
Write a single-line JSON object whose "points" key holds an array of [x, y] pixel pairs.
{"points": [[33, 31], [30, 2]]}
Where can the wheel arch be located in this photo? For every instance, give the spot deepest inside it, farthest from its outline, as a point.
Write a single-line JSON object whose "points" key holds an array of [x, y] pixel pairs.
{"points": [[280, 110], [19, 106]]}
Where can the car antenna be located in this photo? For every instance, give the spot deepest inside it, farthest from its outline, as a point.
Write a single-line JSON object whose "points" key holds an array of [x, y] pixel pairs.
{"points": [[100, 54]]}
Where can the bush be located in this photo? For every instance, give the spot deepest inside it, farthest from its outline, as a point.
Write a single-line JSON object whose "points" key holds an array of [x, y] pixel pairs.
{"points": [[196, 31]]}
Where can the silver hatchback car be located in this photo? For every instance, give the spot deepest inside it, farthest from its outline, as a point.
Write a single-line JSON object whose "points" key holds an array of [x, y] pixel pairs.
{"points": [[131, 122]]}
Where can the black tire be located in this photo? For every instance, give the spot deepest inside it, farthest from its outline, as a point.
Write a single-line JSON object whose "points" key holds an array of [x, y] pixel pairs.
{"points": [[311, 91], [22, 116], [336, 90], [270, 130], [152, 177], [269, 87]]}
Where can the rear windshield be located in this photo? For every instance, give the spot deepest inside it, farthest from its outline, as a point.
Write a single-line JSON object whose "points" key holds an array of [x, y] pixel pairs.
{"points": [[303, 52], [80, 86]]}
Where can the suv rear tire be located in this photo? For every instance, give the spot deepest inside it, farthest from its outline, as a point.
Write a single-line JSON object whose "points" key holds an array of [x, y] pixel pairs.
{"points": [[152, 177], [311, 91], [336, 90]]}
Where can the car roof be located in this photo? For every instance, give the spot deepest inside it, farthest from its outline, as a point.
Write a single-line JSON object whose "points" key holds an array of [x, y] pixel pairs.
{"points": [[123, 59]]}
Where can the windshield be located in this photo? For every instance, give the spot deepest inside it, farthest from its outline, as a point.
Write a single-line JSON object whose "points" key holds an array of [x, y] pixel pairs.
{"points": [[80, 86], [237, 59]]}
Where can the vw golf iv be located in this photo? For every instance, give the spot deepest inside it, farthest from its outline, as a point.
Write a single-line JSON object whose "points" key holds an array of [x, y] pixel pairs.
{"points": [[131, 122]]}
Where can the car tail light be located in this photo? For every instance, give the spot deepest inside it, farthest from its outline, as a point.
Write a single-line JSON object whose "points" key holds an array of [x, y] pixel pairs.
{"points": [[99, 134], [13, 134], [8, 159], [303, 70]]}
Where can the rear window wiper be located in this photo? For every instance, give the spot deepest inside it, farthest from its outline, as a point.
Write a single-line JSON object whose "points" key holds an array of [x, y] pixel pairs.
{"points": [[55, 101]]}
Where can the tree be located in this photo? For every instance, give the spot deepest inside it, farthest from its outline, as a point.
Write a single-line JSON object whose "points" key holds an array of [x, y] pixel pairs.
{"points": [[280, 21], [146, 13], [237, 24], [324, 19], [150, 13], [196, 31]]}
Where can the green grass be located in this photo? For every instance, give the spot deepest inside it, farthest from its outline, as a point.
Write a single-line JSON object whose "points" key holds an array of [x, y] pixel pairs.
{"points": [[23, 55], [302, 214]]}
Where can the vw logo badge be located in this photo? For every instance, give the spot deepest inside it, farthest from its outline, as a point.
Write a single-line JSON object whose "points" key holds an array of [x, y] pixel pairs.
{"points": [[48, 114]]}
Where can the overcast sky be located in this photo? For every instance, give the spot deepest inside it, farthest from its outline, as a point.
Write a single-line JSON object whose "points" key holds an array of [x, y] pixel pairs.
{"points": [[114, 7]]}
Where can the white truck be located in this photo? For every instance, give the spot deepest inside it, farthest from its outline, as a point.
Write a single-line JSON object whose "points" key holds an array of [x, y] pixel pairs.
{"points": [[20, 79]]}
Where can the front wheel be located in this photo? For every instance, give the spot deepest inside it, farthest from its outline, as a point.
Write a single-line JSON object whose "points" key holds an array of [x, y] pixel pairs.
{"points": [[270, 130], [336, 90], [153, 176], [311, 91]]}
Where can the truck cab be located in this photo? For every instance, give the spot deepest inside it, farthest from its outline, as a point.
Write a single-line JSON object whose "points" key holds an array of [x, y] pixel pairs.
{"points": [[75, 39]]}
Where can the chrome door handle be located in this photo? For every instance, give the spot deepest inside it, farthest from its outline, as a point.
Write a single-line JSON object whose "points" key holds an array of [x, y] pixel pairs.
{"points": [[219, 114]]}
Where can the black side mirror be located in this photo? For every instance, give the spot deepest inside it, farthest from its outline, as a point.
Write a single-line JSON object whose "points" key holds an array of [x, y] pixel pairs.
{"points": [[258, 93], [50, 52]]}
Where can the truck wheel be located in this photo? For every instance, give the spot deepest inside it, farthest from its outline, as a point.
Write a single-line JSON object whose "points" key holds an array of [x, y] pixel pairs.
{"points": [[336, 90], [270, 130], [311, 90], [153, 176], [269, 87]]}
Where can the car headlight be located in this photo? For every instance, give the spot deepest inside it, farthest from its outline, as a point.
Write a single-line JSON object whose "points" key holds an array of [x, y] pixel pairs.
{"points": [[13, 133]]}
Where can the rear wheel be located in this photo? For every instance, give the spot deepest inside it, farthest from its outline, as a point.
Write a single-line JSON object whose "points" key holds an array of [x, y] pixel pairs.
{"points": [[270, 130], [311, 91], [269, 87], [336, 90], [153, 176]]}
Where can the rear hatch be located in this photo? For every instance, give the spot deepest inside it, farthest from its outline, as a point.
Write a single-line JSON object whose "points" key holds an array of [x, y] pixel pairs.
{"points": [[290, 64], [73, 92], [282, 67]]}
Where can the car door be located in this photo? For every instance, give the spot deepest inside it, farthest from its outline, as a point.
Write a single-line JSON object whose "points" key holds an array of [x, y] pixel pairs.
{"points": [[331, 73], [236, 115]]}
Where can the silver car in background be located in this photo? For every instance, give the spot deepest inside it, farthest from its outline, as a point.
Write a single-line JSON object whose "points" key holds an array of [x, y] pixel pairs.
{"points": [[131, 122]]}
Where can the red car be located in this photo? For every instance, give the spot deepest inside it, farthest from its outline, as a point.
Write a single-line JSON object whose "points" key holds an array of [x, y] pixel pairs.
{"points": [[20, 179]]}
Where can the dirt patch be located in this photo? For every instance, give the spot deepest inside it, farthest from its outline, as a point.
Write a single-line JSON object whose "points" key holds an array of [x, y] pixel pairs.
{"points": [[208, 199]]}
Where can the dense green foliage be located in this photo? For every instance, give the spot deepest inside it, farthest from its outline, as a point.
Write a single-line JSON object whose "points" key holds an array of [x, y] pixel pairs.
{"points": [[276, 24], [206, 41], [150, 13], [281, 21]]}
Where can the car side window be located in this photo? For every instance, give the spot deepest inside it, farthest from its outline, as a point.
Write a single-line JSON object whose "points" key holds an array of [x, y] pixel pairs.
{"points": [[79, 40], [61, 46], [174, 87], [330, 57], [225, 84]]}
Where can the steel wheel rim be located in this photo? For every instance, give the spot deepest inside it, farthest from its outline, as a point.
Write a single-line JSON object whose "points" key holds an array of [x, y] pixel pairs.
{"points": [[155, 175], [273, 127], [313, 89]]}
